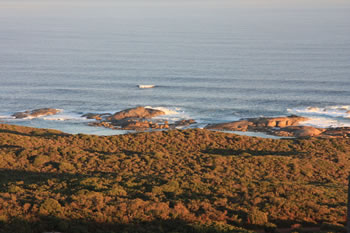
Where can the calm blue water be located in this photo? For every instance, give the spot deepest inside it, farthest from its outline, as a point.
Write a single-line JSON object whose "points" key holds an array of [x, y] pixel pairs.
{"points": [[213, 63]]}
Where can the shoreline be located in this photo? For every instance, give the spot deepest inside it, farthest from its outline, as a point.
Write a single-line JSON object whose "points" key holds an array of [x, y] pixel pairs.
{"points": [[148, 119]]}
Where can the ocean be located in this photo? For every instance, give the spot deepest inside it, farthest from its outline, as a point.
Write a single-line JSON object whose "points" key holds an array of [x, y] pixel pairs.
{"points": [[209, 62]]}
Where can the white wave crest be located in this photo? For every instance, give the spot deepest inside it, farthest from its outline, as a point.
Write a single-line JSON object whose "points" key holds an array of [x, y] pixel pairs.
{"points": [[331, 111], [171, 114], [322, 122], [167, 111], [6, 117], [65, 117]]}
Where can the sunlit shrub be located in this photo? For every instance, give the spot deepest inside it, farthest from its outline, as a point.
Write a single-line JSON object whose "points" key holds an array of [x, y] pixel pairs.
{"points": [[50, 207], [257, 217], [117, 190], [40, 160], [66, 167]]}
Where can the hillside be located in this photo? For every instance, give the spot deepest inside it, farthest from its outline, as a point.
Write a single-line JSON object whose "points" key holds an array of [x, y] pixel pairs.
{"points": [[169, 181]]}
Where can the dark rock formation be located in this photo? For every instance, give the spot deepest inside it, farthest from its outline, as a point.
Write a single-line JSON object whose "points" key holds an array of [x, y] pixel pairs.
{"points": [[96, 116], [102, 124], [185, 122], [36, 113]]}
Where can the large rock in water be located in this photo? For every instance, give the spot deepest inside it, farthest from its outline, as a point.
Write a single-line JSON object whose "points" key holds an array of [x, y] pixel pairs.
{"points": [[280, 122], [184, 122], [258, 124], [96, 116], [129, 119], [241, 125], [36, 113], [138, 112], [281, 126], [138, 118]]}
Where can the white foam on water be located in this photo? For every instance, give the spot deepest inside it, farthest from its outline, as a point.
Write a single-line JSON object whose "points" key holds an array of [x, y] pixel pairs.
{"points": [[167, 111], [60, 116], [201, 125], [322, 122], [40, 116], [5, 117], [29, 117], [171, 114], [65, 117], [324, 117], [342, 111]]}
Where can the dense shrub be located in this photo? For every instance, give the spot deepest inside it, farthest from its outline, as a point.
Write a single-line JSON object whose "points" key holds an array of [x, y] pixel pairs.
{"points": [[175, 181], [50, 207], [257, 217]]}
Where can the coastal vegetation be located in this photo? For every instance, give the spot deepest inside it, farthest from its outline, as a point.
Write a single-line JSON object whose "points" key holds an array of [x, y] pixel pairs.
{"points": [[190, 180]]}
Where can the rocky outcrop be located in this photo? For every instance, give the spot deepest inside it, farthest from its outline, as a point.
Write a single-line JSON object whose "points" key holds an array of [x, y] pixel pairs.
{"points": [[138, 112], [135, 119], [36, 113], [96, 116], [258, 124], [282, 126], [280, 122], [242, 125], [185, 122], [138, 118]]}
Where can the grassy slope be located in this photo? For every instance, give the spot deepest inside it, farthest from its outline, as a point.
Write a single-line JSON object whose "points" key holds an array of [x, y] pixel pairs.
{"points": [[171, 181]]}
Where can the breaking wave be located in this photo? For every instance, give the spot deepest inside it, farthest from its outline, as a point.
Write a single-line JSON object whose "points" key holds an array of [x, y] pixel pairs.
{"points": [[61, 116], [168, 111], [330, 116], [64, 117], [331, 111]]}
